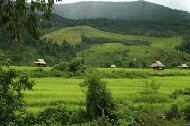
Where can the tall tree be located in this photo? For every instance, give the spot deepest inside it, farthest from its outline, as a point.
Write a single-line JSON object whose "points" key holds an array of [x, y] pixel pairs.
{"points": [[19, 16]]}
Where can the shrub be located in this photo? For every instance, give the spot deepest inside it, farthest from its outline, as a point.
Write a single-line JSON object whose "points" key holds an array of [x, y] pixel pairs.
{"points": [[185, 110], [75, 67], [61, 66], [102, 121], [151, 87], [176, 93], [139, 116], [79, 116], [11, 97], [39, 72], [26, 119], [52, 116], [98, 99], [173, 112], [4, 61]]}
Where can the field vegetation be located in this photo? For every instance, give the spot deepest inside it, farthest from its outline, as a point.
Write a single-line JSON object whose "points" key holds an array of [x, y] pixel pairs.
{"points": [[140, 96], [49, 92], [78, 87]]}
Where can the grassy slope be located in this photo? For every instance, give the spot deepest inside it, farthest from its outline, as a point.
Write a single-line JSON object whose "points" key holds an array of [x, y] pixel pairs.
{"points": [[73, 35], [112, 52], [50, 91]]}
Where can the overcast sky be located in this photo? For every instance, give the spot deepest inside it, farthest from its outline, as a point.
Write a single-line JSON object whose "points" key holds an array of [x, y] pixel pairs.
{"points": [[176, 4]]}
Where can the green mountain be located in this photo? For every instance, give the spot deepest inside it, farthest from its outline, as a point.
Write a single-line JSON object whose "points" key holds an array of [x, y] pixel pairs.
{"points": [[138, 10], [98, 48], [129, 34], [148, 28]]}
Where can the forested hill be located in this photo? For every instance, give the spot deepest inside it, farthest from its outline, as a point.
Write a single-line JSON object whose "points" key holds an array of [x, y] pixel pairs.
{"points": [[138, 10], [121, 26]]}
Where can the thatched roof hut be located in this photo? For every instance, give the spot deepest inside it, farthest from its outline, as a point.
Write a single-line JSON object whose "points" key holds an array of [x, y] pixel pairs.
{"points": [[40, 62], [113, 66], [157, 65], [183, 66]]}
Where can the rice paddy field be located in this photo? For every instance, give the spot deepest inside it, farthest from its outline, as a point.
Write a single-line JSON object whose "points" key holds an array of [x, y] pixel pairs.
{"points": [[49, 92], [53, 91]]}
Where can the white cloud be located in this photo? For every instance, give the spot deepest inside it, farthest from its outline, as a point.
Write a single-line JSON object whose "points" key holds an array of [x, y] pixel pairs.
{"points": [[175, 4]]}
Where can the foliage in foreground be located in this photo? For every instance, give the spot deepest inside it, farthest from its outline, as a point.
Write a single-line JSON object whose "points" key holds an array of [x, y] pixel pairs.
{"points": [[18, 17], [99, 101], [53, 116], [11, 96]]}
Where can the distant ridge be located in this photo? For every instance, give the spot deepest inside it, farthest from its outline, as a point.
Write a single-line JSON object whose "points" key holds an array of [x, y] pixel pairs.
{"points": [[137, 10]]}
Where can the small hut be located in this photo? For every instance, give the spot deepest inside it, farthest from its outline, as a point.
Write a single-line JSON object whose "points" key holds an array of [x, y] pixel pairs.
{"points": [[183, 66], [40, 62], [157, 65], [113, 66]]}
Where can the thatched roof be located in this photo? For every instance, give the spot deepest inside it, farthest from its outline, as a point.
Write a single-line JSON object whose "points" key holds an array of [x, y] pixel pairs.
{"points": [[113, 66], [183, 66], [40, 61], [157, 64]]}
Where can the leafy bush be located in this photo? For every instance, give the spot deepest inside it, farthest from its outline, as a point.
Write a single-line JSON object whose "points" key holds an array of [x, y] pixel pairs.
{"points": [[98, 99], [173, 112], [53, 116], [4, 61], [102, 121], [39, 72], [138, 116], [11, 97], [26, 119], [61, 66], [151, 87], [75, 67], [79, 116], [185, 110], [176, 93]]}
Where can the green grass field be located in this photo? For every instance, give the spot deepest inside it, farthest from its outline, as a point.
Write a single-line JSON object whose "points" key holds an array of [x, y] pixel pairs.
{"points": [[48, 92]]}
